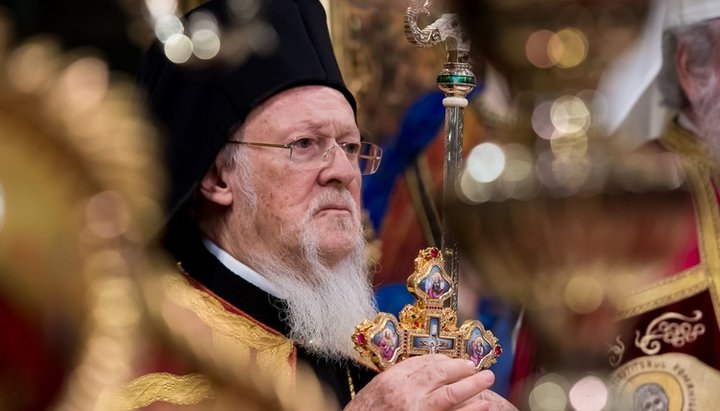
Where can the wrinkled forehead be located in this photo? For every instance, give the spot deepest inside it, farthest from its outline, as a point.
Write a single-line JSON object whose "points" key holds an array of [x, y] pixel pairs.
{"points": [[311, 109]]}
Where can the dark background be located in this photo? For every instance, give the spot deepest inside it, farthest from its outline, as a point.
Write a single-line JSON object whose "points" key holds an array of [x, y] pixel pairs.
{"points": [[112, 29]]}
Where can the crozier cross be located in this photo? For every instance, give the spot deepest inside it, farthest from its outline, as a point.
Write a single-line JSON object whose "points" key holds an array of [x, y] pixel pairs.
{"points": [[428, 326], [434, 341]]}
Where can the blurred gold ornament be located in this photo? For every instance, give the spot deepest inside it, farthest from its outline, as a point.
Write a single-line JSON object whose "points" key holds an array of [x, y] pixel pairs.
{"points": [[80, 207], [557, 217], [80, 201]]}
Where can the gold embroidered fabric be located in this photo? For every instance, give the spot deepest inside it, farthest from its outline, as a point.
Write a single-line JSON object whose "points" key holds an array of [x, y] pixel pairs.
{"points": [[676, 288], [700, 169], [671, 328], [237, 337], [159, 387], [673, 382], [616, 352], [209, 329]]}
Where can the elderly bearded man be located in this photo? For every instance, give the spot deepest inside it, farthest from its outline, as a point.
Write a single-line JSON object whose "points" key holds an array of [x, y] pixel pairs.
{"points": [[265, 162]]}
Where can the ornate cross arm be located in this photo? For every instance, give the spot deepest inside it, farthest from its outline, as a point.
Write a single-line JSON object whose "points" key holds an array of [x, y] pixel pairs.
{"points": [[426, 327]]}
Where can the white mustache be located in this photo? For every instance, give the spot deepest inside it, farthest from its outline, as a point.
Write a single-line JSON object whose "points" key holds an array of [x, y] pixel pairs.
{"points": [[331, 198]]}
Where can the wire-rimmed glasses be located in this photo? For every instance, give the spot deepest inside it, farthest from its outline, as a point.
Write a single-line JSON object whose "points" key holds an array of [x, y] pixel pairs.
{"points": [[315, 151]]}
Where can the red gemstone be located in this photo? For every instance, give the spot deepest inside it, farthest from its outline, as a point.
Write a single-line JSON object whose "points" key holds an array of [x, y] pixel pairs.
{"points": [[360, 339], [498, 350], [434, 252]]}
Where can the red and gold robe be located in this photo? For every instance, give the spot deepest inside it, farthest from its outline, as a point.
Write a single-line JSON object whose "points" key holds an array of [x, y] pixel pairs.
{"points": [[223, 319], [670, 354]]}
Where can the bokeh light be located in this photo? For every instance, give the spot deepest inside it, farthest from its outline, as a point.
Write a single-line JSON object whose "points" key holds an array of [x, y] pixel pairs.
{"points": [[201, 20], [589, 394], [167, 26], [84, 84], [30, 66], [158, 8], [569, 145], [485, 162], [244, 9], [568, 48], [548, 394], [107, 215], [541, 122], [536, 49], [517, 180], [206, 44], [584, 294], [570, 115], [474, 191], [262, 38], [178, 48], [518, 163]]}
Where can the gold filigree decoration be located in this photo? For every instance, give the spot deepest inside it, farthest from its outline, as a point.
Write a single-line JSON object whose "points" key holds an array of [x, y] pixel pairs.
{"points": [[616, 352], [426, 327], [669, 330], [174, 389]]}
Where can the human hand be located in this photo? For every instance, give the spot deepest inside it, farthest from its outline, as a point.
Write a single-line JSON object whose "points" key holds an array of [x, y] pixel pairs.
{"points": [[430, 382]]}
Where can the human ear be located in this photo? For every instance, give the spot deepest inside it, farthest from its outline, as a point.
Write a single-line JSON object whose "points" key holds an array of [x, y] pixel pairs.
{"points": [[214, 187], [692, 80]]}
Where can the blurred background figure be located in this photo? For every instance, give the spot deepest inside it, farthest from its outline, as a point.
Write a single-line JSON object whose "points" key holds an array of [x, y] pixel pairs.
{"points": [[669, 332], [673, 96]]}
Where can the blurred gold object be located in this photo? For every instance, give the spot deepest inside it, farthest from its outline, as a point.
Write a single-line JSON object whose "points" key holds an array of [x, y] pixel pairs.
{"points": [[552, 47], [559, 218], [570, 260], [80, 195], [79, 201]]}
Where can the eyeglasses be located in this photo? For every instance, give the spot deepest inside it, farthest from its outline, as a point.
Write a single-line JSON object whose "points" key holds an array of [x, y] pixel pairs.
{"points": [[314, 151]]}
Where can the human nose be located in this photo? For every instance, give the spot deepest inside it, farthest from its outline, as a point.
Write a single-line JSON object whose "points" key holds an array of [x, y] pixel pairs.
{"points": [[329, 152], [337, 167]]}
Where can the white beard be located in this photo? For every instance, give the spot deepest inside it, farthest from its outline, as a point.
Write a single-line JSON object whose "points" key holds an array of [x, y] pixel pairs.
{"points": [[324, 304]]}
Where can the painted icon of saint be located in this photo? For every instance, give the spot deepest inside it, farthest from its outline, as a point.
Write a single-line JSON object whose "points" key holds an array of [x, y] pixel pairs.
{"points": [[476, 350], [436, 286], [388, 343]]}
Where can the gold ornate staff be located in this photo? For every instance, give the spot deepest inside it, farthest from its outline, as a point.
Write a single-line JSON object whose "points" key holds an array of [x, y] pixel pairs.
{"points": [[456, 80], [429, 325]]}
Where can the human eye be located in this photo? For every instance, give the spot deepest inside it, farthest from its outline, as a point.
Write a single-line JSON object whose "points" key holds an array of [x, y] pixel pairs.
{"points": [[351, 148], [304, 143]]}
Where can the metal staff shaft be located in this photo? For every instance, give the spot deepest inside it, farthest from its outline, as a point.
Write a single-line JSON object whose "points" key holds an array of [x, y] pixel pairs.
{"points": [[452, 166], [456, 80]]}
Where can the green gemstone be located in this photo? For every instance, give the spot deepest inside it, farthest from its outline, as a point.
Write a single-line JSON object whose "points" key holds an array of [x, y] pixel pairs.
{"points": [[456, 79]]}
